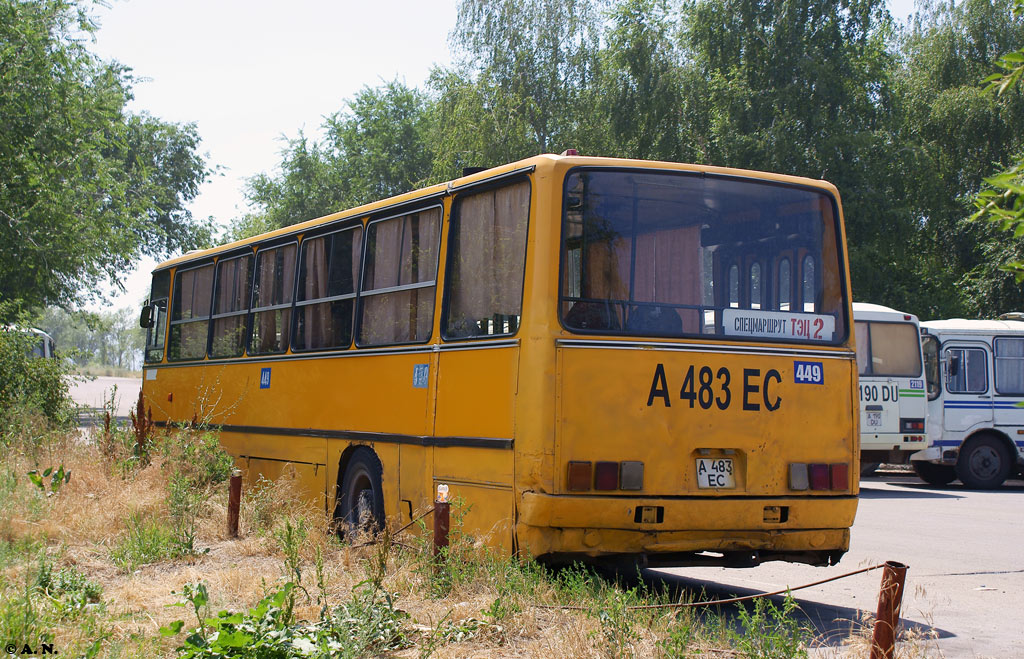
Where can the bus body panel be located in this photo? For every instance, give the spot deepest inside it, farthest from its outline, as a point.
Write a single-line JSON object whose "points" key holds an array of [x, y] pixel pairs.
{"points": [[670, 407]]}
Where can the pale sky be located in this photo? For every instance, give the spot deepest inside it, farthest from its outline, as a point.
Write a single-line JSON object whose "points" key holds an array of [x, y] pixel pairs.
{"points": [[249, 73]]}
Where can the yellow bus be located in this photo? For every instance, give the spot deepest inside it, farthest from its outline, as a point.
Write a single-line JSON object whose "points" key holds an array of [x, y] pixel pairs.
{"points": [[602, 358]]}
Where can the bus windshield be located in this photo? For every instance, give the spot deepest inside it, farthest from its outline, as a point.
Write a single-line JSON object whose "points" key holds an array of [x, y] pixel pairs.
{"points": [[674, 254], [890, 349]]}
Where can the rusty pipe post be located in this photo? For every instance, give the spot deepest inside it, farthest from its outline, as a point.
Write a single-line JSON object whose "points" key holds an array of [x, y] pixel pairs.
{"points": [[234, 501], [890, 597], [441, 519]]}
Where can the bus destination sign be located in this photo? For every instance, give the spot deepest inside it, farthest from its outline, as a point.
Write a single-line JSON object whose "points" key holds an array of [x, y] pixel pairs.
{"points": [[778, 324]]}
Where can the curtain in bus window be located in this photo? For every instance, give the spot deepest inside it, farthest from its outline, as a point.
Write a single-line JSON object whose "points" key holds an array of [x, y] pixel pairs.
{"points": [[488, 258], [330, 266], [231, 303], [895, 349], [667, 272], [274, 284], [190, 314], [863, 338], [401, 254], [1010, 366]]}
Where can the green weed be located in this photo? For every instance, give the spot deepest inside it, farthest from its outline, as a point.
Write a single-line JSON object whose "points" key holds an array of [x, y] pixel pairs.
{"points": [[146, 541]]}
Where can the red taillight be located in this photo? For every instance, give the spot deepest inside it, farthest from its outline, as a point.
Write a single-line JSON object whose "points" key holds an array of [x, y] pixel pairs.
{"points": [[579, 478], [606, 476], [911, 425], [818, 476], [839, 475]]}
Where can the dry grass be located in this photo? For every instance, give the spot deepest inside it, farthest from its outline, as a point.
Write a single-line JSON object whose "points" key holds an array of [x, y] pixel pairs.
{"points": [[476, 606]]}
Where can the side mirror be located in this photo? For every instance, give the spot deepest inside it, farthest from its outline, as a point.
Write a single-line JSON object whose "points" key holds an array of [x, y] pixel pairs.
{"points": [[146, 318], [952, 364]]}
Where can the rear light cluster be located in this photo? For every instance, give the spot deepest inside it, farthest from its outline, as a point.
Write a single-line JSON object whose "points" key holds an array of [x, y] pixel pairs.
{"points": [[819, 476], [911, 425], [606, 476]]}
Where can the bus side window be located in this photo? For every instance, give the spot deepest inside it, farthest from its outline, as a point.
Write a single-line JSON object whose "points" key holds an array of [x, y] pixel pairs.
{"points": [[734, 286], [785, 285], [1009, 359], [487, 259], [399, 277], [273, 289], [930, 347], [231, 306], [328, 272], [190, 313], [755, 286], [808, 288]]}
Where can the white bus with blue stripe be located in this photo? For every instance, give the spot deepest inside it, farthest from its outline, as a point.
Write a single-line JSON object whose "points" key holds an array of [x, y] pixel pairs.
{"points": [[891, 385], [975, 373]]}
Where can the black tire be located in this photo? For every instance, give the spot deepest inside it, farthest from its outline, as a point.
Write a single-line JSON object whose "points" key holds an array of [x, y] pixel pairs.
{"points": [[984, 463], [934, 474], [360, 506], [869, 468]]}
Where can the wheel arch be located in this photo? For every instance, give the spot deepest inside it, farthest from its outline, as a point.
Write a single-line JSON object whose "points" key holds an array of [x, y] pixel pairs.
{"points": [[996, 434], [343, 462]]}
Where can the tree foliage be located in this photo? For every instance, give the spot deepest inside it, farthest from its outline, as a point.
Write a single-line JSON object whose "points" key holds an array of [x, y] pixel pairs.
{"points": [[1002, 202], [86, 187], [892, 114]]}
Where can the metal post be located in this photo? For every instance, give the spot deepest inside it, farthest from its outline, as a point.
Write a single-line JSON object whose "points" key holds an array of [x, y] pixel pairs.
{"points": [[234, 500], [890, 598], [441, 519]]}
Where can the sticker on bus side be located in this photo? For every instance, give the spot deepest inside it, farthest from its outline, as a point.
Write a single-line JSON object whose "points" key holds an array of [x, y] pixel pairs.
{"points": [[265, 378], [420, 375], [808, 373]]}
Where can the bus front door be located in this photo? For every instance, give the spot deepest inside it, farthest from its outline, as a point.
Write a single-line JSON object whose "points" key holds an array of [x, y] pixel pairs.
{"points": [[968, 400]]}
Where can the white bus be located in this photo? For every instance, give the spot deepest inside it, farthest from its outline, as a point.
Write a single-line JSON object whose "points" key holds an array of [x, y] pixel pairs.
{"points": [[975, 374], [892, 386], [43, 347]]}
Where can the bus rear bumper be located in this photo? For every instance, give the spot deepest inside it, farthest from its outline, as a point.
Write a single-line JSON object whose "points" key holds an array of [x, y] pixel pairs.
{"points": [[749, 531]]}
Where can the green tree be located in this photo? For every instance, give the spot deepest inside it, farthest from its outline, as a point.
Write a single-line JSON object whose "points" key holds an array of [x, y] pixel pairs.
{"points": [[1002, 202], [378, 146], [86, 187], [956, 131], [642, 86], [805, 87], [525, 82]]}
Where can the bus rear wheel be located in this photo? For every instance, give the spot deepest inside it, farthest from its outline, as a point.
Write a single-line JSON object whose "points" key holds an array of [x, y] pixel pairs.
{"points": [[361, 503], [984, 463], [934, 474]]}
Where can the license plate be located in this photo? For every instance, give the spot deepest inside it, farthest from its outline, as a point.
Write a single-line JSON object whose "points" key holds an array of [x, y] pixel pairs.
{"points": [[715, 473], [875, 419]]}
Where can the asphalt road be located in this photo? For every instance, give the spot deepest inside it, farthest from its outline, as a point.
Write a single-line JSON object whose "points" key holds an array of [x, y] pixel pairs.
{"points": [[92, 395], [963, 548]]}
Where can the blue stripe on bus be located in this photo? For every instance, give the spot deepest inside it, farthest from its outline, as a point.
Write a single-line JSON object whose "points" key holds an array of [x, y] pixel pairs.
{"points": [[954, 442]]}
